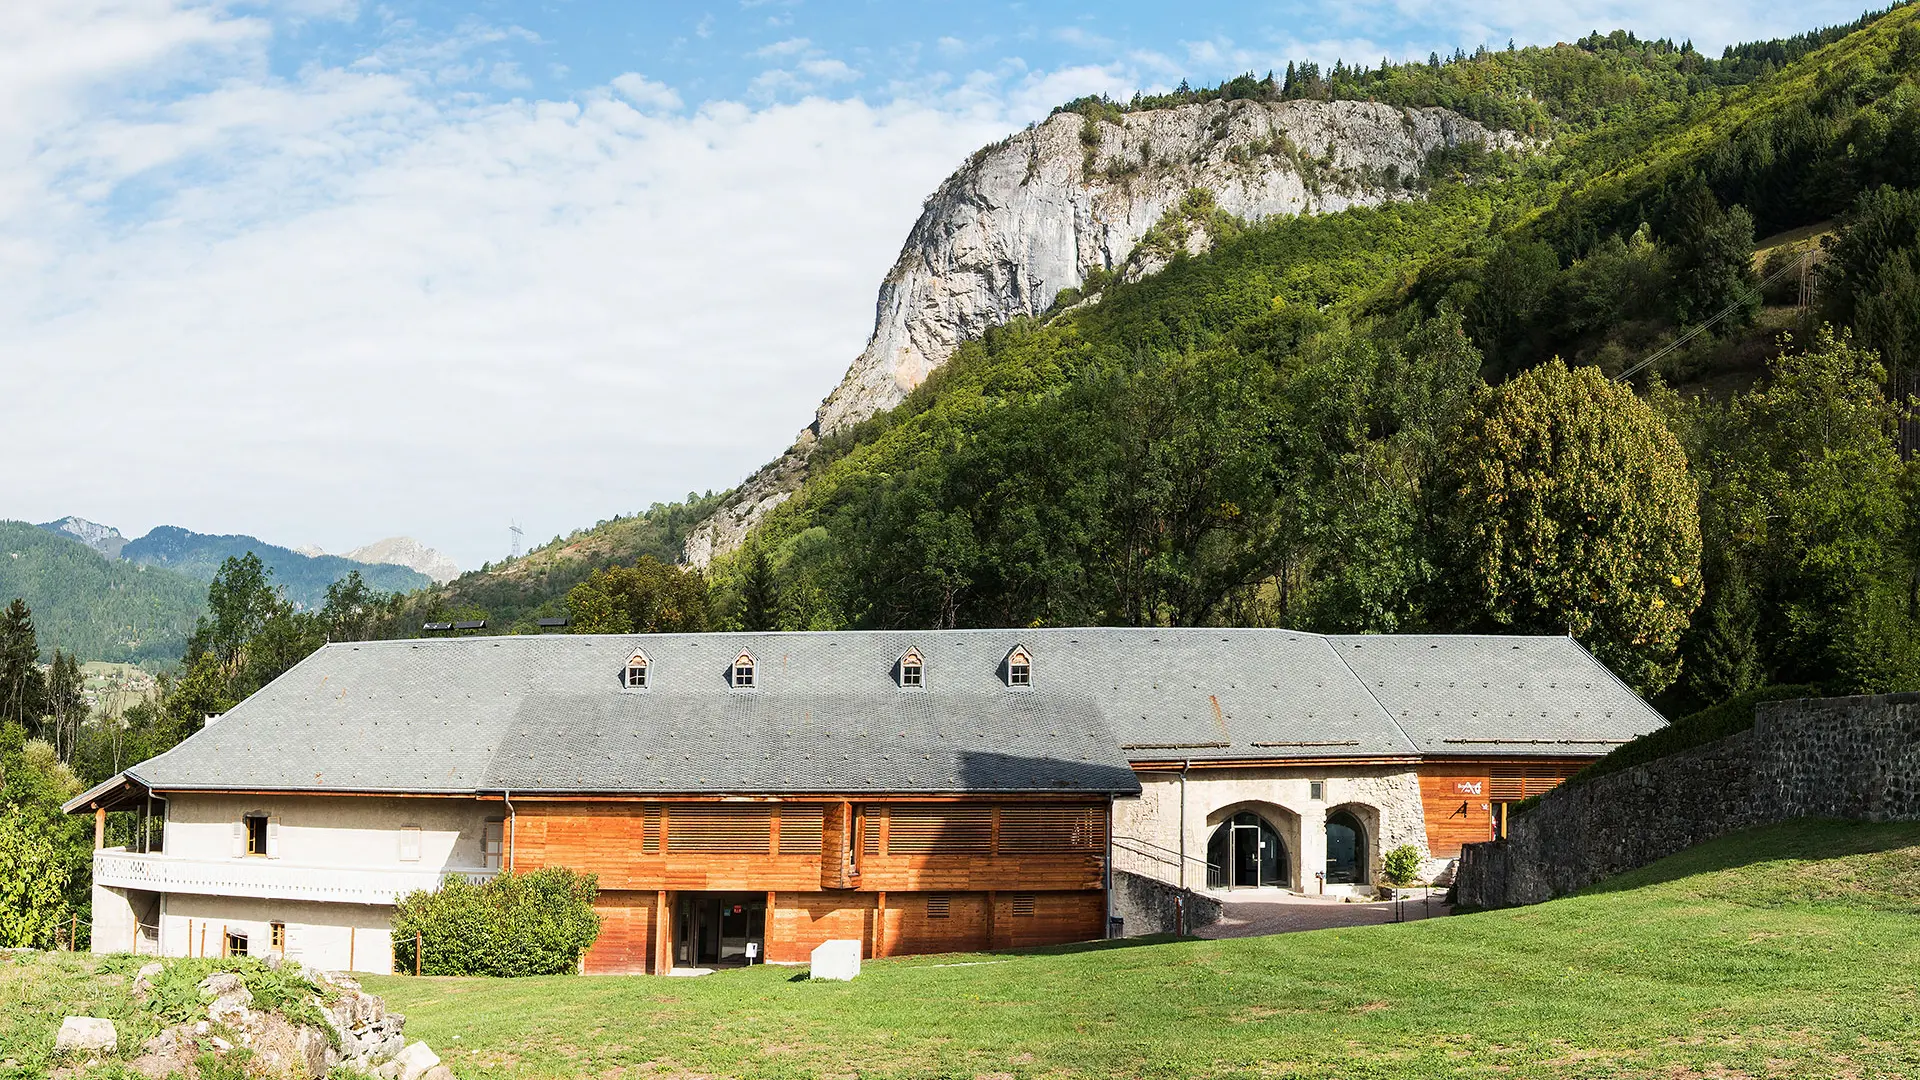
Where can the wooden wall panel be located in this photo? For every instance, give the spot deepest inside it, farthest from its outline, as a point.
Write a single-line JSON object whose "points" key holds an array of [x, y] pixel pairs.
{"points": [[1058, 918], [626, 934], [910, 927], [801, 920], [980, 873], [1457, 797]]}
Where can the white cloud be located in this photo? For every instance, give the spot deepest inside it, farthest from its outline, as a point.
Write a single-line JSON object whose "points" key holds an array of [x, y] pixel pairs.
{"points": [[645, 94], [348, 304], [789, 47], [828, 70]]}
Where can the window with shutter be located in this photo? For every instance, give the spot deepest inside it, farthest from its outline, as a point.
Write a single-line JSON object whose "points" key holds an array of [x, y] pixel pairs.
{"points": [[939, 830], [1508, 783], [409, 843], [255, 826], [650, 828], [1042, 829], [800, 828], [939, 906], [240, 838], [1023, 904], [721, 829], [493, 843]]}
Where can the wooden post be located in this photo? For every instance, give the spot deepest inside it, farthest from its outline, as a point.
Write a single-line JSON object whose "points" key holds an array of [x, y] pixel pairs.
{"points": [[416, 952], [880, 925], [203, 939], [662, 934], [350, 966], [99, 828], [189, 937], [73, 934]]}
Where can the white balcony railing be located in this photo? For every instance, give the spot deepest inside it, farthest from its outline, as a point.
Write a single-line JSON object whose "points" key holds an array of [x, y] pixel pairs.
{"points": [[271, 878]]}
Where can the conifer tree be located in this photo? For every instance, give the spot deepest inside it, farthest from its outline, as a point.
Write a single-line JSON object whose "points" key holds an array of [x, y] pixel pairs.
{"points": [[22, 688]]}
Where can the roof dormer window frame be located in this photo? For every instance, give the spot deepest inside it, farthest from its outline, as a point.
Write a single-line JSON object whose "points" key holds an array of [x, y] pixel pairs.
{"points": [[910, 671], [638, 672], [743, 673], [1017, 668]]}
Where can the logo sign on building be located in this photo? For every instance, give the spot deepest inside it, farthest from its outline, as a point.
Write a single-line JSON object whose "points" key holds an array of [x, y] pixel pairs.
{"points": [[1467, 787]]}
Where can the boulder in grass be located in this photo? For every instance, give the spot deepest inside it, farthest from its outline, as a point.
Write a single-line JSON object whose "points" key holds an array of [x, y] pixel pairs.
{"points": [[86, 1035], [835, 960]]}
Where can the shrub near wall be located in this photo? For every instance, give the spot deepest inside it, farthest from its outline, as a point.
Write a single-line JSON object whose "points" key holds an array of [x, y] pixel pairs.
{"points": [[540, 923]]}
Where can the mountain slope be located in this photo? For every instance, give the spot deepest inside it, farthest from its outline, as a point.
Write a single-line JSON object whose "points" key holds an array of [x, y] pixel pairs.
{"points": [[92, 607], [104, 539], [1046, 209], [305, 578], [410, 553]]}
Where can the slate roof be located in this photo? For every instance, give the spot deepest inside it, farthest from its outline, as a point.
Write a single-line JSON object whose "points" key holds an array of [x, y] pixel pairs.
{"points": [[549, 713]]}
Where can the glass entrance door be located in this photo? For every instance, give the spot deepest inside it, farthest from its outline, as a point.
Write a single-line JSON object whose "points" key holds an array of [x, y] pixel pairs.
{"points": [[712, 929]]}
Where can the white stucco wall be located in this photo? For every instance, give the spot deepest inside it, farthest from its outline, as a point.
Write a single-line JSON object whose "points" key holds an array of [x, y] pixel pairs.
{"points": [[336, 937], [353, 831], [1147, 834]]}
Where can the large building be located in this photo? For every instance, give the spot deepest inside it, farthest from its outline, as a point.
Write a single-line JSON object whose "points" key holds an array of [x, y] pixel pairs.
{"points": [[755, 794]]}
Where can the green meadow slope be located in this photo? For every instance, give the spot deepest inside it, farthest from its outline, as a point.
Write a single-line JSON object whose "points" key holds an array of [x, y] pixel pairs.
{"points": [[1786, 951]]}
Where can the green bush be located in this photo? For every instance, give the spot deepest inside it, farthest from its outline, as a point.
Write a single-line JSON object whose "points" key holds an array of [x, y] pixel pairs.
{"points": [[516, 924], [1711, 724], [1401, 866]]}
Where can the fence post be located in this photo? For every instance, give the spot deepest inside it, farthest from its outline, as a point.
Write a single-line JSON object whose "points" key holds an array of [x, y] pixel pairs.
{"points": [[73, 934]]}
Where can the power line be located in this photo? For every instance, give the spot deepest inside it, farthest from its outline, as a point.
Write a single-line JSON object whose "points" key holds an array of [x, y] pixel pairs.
{"points": [[1799, 264]]}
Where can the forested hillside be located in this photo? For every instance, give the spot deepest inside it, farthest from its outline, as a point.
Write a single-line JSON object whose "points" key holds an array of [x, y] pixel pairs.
{"points": [[303, 578], [93, 608], [1324, 422]]}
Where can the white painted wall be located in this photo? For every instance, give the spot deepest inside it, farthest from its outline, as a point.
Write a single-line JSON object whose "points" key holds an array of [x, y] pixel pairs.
{"points": [[342, 830], [1385, 799], [336, 937]]}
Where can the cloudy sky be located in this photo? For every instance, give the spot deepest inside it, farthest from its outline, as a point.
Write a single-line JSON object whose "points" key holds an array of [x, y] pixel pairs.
{"points": [[328, 270]]}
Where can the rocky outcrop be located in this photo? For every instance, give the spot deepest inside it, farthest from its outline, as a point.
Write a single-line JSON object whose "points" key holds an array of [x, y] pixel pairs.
{"points": [[410, 553], [1036, 213]]}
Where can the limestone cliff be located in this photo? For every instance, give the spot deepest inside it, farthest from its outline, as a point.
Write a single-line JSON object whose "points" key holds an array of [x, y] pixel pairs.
{"points": [[1034, 214]]}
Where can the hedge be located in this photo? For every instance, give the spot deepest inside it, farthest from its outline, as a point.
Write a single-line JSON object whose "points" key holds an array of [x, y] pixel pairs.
{"points": [[539, 923]]}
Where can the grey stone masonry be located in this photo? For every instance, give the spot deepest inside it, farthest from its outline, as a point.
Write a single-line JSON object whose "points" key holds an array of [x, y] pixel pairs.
{"points": [[1855, 758], [1147, 906]]}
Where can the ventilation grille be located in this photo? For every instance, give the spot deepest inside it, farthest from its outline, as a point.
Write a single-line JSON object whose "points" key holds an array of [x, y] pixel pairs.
{"points": [[800, 830], [739, 830], [1023, 904], [939, 906], [940, 830], [650, 828], [1044, 829], [1509, 783]]}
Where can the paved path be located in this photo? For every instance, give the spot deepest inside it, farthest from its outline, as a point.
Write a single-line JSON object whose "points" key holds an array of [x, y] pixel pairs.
{"points": [[1251, 914]]}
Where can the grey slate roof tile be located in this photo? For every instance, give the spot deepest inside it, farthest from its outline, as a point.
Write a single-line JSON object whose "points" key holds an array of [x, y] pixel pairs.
{"points": [[549, 713]]}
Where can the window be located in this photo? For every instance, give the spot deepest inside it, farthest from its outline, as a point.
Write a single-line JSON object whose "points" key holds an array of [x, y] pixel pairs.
{"points": [[939, 906], [939, 830], [278, 936], [1043, 830], [1019, 667], [1317, 790], [409, 843], [236, 945], [743, 672], [800, 829], [493, 843], [636, 676], [650, 828], [911, 670], [720, 828], [256, 834], [1023, 905]]}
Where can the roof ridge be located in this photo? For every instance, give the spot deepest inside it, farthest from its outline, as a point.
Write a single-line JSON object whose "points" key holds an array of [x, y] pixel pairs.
{"points": [[1371, 696]]}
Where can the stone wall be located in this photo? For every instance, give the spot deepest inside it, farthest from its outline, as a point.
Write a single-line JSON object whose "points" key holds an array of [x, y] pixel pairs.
{"points": [[1148, 906], [1855, 758]]}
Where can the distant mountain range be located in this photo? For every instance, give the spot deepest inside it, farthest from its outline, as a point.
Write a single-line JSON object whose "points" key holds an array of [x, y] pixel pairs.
{"points": [[304, 577], [96, 608], [138, 599]]}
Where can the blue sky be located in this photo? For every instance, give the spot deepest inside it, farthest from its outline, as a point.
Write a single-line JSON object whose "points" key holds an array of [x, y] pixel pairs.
{"points": [[330, 270]]}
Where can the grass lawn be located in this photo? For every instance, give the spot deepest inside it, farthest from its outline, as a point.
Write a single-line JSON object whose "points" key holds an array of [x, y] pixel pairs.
{"points": [[1791, 951], [1787, 951]]}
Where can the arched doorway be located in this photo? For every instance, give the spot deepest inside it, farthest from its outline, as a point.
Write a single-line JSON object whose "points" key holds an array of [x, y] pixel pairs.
{"points": [[1246, 853], [1346, 849]]}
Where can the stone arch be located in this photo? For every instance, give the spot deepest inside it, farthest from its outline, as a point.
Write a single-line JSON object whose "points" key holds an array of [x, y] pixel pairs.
{"points": [[1285, 830], [1353, 831]]}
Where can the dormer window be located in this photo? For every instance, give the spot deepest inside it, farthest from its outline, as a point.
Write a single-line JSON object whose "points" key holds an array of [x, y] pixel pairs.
{"points": [[636, 673], [912, 670], [742, 677], [1019, 667]]}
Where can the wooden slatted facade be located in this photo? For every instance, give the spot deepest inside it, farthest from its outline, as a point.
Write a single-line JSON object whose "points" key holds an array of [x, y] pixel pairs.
{"points": [[1461, 800], [901, 876]]}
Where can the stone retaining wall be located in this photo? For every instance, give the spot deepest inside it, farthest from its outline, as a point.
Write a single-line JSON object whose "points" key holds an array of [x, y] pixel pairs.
{"points": [[1855, 758], [1149, 906]]}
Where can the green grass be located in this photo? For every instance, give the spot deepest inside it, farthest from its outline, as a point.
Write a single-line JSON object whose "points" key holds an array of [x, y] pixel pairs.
{"points": [[1788, 951]]}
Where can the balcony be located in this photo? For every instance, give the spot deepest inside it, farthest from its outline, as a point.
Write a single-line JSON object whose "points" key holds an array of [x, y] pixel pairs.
{"points": [[271, 878]]}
